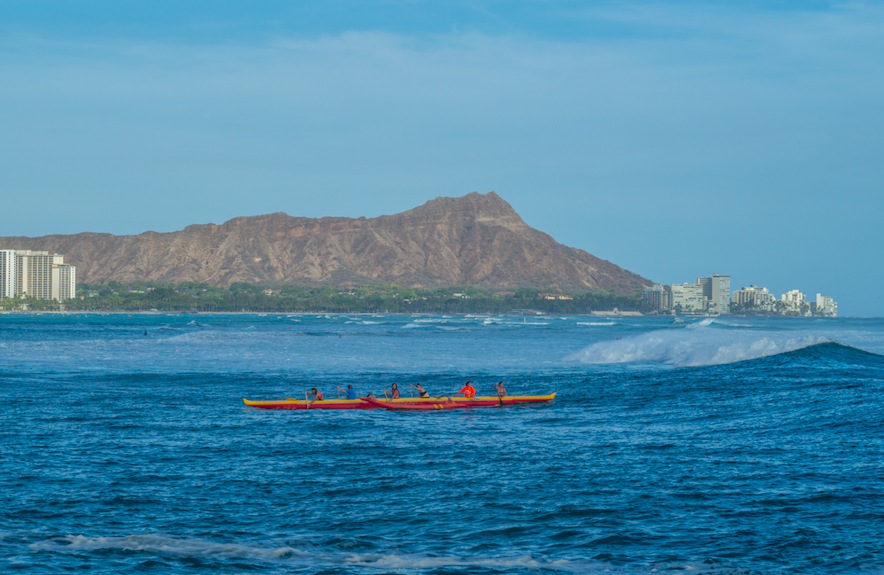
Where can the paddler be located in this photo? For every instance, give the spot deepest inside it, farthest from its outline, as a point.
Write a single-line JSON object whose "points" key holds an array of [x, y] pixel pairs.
{"points": [[317, 396], [394, 391], [468, 391], [351, 393], [422, 393], [501, 391]]}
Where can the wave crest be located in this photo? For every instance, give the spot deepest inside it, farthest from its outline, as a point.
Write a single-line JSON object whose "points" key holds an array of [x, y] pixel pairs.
{"points": [[692, 348]]}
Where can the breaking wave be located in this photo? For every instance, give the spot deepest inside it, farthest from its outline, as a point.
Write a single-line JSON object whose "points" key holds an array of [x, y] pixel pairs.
{"points": [[693, 347]]}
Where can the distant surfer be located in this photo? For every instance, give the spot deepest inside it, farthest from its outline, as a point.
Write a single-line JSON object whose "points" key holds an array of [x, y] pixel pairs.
{"points": [[422, 393], [145, 332]]}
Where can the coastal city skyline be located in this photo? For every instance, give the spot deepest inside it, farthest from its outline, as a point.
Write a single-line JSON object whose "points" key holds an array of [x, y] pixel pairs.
{"points": [[713, 296], [43, 276]]}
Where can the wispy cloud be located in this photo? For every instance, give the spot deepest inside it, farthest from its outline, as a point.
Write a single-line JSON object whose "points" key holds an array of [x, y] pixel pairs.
{"points": [[667, 111]]}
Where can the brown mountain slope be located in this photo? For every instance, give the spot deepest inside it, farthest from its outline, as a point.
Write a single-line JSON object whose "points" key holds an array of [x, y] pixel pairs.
{"points": [[476, 239]]}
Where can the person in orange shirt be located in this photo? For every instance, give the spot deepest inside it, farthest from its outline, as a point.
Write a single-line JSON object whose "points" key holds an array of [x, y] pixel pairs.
{"points": [[468, 390]]}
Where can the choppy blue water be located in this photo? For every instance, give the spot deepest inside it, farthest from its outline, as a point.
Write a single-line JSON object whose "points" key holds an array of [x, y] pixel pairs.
{"points": [[726, 445]]}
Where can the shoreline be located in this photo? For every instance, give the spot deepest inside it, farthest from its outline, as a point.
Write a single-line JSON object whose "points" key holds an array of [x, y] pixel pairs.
{"points": [[371, 314]]}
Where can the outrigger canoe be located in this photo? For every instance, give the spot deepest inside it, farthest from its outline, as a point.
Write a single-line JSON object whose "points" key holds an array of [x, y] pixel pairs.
{"points": [[363, 403]]}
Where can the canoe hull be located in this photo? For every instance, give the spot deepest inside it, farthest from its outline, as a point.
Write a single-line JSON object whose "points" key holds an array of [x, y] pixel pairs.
{"points": [[301, 404], [415, 405], [483, 401]]}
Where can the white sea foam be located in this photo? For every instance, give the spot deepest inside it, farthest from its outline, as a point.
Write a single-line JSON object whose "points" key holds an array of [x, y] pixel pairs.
{"points": [[732, 324], [207, 335], [163, 546], [694, 347], [702, 323], [509, 321], [316, 559]]}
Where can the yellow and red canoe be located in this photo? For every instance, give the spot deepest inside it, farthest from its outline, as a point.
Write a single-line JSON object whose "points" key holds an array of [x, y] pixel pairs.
{"points": [[405, 402]]}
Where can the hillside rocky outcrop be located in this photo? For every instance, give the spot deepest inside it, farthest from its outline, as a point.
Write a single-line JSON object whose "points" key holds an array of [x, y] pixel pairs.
{"points": [[477, 239]]}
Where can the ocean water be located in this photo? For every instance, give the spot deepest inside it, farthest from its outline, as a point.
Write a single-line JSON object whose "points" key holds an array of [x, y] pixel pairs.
{"points": [[706, 445]]}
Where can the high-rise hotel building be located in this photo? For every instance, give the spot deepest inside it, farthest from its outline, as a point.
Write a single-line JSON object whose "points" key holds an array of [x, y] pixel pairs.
{"points": [[717, 290], [34, 273], [7, 273], [64, 282], [37, 274], [755, 296]]}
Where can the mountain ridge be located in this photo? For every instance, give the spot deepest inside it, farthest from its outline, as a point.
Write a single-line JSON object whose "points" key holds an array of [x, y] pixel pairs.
{"points": [[476, 239]]}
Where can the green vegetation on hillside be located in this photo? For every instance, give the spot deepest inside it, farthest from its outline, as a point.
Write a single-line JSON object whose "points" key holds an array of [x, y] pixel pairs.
{"points": [[199, 297]]}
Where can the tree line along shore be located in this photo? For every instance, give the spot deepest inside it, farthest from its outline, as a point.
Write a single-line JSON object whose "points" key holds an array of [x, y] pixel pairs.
{"points": [[239, 297]]}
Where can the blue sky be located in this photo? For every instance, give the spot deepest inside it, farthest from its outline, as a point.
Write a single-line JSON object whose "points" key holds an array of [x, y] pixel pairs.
{"points": [[675, 139]]}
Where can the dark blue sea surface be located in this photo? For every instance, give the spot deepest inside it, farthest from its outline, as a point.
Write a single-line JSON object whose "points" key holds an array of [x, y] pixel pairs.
{"points": [[717, 446]]}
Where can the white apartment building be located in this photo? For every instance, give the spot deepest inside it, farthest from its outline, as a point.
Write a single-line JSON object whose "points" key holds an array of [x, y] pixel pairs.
{"points": [[7, 273], [793, 299], [688, 298], [64, 282], [37, 274], [33, 271], [657, 297], [720, 293], [826, 306], [755, 296]]}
